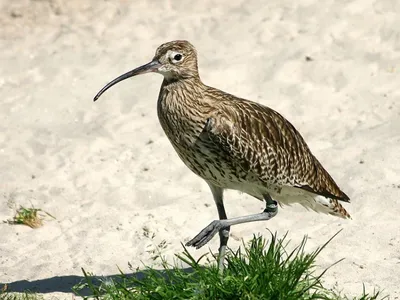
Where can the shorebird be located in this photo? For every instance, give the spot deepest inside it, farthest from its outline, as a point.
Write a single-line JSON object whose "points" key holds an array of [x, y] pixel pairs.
{"points": [[233, 143]]}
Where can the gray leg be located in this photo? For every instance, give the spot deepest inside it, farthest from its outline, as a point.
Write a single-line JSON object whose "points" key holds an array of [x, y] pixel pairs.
{"points": [[224, 232], [216, 226]]}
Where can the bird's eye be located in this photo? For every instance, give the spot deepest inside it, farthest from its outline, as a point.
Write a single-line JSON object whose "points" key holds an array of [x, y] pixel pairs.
{"points": [[178, 57]]}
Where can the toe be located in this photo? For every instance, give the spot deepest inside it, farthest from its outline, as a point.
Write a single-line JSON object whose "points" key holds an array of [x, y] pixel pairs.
{"points": [[205, 235]]}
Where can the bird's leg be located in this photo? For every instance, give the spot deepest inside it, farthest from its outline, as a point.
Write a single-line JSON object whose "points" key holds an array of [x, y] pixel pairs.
{"points": [[216, 226], [224, 232], [223, 238]]}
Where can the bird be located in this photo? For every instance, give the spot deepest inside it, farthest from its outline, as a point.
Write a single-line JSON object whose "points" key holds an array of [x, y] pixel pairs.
{"points": [[234, 144]]}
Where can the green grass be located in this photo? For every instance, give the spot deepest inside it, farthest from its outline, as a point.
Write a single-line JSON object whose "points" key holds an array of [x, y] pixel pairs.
{"points": [[258, 270], [32, 217]]}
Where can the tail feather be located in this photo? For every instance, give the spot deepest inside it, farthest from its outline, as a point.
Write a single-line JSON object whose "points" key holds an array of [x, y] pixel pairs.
{"points": [[332, 207], [309, 200], [338, 209]]}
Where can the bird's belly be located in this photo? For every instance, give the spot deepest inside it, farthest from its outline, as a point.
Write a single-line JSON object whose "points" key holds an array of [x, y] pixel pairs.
{"points": [[211, 165]]}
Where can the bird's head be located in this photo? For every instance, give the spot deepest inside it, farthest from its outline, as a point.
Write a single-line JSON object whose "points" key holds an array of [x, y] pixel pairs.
{"points": [[178, 60], [175, 60]]}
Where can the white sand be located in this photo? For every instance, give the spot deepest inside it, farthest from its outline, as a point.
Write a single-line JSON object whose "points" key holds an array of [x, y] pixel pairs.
{"points": [[96, 172]]}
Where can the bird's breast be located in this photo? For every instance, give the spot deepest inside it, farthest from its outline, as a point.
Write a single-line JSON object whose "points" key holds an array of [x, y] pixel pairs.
{"points": [[181, 122], [198, 154], [184, 124]]}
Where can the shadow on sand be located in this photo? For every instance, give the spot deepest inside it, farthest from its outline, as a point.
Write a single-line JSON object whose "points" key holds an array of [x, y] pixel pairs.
{"points": [[64, 284]]}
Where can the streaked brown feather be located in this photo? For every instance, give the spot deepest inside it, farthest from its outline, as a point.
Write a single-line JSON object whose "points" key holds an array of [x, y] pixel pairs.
{"points": [[230, 142], [246, 130]]}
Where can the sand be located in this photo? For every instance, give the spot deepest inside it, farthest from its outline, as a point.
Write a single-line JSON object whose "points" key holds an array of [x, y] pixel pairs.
{"points": [[108, 174]]}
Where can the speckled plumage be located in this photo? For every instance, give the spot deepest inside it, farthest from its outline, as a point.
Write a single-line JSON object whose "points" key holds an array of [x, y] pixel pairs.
{"points": [[233, 143], [239, 144]]}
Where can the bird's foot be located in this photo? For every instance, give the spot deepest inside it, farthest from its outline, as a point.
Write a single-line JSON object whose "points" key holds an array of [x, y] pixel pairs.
{"points": [[206, 234]]}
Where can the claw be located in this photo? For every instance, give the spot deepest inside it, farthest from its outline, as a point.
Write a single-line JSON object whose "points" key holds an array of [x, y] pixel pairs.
{"points": [[205, 235]]}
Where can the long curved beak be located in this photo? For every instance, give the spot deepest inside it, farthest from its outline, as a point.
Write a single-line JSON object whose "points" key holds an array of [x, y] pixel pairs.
{"points": [[150, 67]]}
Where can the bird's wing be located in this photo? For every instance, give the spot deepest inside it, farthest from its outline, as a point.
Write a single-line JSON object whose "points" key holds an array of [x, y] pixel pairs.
{"points": [[262, 142]]}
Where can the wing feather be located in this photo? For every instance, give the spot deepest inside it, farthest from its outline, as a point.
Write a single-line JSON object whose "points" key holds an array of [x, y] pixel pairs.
{"points": [[261, 141]]}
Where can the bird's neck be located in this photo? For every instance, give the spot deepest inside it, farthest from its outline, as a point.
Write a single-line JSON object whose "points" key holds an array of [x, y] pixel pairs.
{"points": [[187, 91], [171, 83], [180, 108]]}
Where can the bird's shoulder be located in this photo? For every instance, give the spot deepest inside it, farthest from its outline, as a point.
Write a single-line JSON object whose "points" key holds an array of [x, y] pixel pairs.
{"points": [[234, 115]]}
